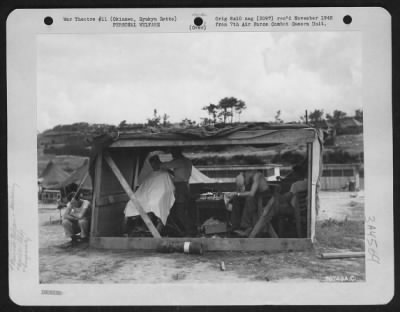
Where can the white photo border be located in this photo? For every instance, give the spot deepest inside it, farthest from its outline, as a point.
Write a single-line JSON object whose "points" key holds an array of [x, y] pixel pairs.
{"points": [[23, 26]]}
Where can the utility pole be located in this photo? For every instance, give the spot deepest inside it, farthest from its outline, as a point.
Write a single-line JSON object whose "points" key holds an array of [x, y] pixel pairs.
{"points": [[306, 117]]}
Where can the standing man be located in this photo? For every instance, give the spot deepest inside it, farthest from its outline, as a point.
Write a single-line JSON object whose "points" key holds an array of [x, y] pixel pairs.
{"points": [[286, 204], [76, 219], [182, 170], [254, 200], [237, 202]]}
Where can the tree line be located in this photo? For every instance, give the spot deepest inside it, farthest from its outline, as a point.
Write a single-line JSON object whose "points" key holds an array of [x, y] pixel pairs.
{"points": [[228, 110], [224, 110], [317, 116]]}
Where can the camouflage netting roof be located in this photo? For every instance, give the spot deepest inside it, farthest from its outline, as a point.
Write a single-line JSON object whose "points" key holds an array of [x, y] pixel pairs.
{"points": [[190, 133]]}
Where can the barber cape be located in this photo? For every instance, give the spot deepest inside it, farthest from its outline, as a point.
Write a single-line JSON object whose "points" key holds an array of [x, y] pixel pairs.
{"points": [[155, 194]]}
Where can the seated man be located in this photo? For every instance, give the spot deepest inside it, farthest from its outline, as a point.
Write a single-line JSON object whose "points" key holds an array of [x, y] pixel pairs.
{"points": [[155, 194], [236, 203], [254, 200], [286, 203], [76, 218]]}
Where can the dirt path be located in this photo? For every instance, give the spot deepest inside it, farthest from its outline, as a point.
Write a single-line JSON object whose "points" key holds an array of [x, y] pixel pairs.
{"points": [[341, 205], [83, 264], [99, 266]]}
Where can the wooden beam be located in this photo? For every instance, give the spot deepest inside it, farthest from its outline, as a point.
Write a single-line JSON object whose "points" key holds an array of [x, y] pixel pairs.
{"points": [[342, 255], [112, 199], [274, 137], [136, 176], [309, 187], [83, 181], [264, 219], [209, 244], [96, 194], [131, 195]]}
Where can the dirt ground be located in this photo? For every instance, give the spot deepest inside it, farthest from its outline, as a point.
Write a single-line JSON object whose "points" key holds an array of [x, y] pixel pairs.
{"points": [[340, 228]]}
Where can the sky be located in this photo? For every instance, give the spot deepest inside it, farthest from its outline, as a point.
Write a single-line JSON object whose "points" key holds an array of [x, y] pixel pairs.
{"points": [[110, 78]]}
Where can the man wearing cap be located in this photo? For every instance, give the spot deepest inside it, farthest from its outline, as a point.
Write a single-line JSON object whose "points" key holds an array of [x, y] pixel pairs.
{"points": [[182, 170], [76, 218]]}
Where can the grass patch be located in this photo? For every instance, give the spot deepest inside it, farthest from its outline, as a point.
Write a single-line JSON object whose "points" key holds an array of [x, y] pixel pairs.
{"points": [[340, 234]]}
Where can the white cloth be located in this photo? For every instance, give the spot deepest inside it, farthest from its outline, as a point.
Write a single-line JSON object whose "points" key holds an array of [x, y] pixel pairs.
{"points": [[155, 194], [196, 175]]}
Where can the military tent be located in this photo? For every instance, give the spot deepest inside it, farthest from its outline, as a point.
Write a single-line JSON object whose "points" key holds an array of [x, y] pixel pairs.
{"points": [[52, 176], [78, 177]]}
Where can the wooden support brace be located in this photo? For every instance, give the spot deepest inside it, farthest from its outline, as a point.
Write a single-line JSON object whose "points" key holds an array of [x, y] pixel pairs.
{"points": [[271, 230], [342, 255], [83, 181], [96, 195], [264, 219], [131, 195]]}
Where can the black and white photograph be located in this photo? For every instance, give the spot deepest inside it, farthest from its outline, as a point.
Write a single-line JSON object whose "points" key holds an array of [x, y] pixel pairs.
{"points": [[208, 156], [243, 156]]}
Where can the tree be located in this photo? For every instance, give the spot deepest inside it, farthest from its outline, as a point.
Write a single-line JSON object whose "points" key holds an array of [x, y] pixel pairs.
{"points": [[228, 106], [212, 111], [225, 104], [240, 107], [278, 117], [316, 116], [359, 115], [187, 122], [122, 124], [337, 115], [155, 121], [165, 120], [206, 121]]}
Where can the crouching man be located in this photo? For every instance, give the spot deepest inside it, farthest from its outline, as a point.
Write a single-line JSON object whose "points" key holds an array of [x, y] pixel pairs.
{"points": [[76, 219]]}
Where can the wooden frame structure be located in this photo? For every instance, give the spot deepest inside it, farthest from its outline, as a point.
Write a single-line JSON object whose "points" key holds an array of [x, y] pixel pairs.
{"points": [[116, 170]]}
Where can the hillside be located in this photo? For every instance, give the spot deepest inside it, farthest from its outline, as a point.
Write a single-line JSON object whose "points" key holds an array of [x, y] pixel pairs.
{"points": [[351, 143]]}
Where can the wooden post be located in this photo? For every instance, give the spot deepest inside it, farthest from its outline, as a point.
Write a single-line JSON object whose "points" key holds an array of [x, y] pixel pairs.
{"points": [[136, 176], [309, 187], [96, 195], [131, 195]]}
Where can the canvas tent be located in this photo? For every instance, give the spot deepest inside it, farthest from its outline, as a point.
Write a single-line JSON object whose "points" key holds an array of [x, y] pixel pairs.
{"points": [[78, 176], [198, 177], [52, 176], [117, 161]]}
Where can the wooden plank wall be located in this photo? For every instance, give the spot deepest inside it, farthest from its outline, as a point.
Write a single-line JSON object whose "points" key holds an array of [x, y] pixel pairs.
{"points": [[110, 219], [111, 202]]}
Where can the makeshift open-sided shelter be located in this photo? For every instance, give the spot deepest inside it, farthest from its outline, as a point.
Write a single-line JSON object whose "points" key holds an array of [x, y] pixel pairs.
{"points": [[117, 161]]}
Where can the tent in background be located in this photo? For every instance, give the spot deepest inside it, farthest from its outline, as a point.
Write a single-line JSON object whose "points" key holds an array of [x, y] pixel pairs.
{"points": [[198, 177], [53, 176], [78, 175]]}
